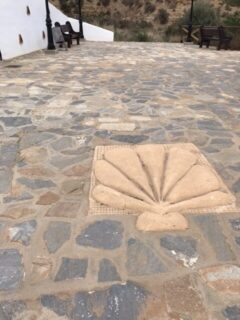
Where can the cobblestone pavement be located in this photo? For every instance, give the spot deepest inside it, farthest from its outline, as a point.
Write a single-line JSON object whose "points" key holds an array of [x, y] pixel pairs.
{"points": [[56, 262]]}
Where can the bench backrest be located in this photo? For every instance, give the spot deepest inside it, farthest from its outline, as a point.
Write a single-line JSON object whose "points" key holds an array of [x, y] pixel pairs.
{"points": [[208, 32], [64, 27], [69, 27]]}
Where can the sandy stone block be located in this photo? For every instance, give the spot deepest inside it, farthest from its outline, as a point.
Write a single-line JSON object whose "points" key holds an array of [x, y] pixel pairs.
{"points": [[127, 126]]}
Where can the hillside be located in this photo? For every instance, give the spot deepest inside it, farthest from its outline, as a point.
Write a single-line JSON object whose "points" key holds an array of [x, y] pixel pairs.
{"points": [[141, 19]]}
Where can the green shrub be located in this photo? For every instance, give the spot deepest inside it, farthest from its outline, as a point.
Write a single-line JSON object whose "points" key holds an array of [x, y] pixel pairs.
{"points": [[163, 16], [140, 36], [203, 14], [171, 31], [232, 19]]}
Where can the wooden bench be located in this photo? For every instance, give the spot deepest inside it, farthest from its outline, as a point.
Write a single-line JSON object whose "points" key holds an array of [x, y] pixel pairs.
{"points": [[75, 35], [68, 33], [216, 34]]}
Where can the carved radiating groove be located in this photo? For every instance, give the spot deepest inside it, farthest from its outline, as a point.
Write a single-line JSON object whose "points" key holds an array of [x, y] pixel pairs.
{"points": [[179, 162], [110, 176], [210, 200], [128, 162], [198, 181], [153, 157], [118, 200]]}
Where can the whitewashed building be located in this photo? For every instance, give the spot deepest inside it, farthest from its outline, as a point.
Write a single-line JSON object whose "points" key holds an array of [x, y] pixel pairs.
{"points": [[23, 27]]}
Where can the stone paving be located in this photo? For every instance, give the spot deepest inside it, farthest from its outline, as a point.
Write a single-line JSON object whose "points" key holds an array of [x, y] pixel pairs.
{"points": [[58, 262]]}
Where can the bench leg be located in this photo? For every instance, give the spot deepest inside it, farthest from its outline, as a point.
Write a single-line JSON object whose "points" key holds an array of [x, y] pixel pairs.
{"points": [[208, 44], [78, 41], [219, 46], [200, 44]]}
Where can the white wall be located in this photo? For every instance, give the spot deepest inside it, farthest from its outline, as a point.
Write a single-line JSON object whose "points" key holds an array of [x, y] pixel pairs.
{"points": [[14, 21]]}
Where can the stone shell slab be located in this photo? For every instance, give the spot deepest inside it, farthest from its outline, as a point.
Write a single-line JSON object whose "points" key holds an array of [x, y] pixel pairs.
{"points": [[96, 208]]}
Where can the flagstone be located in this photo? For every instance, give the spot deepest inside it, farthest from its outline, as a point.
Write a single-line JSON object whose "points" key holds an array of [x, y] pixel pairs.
{"points": [[72, 269], [118, 126], [41, 269], [210, 228], [64, 209], [107, 271], [48, 198], [11, 269], [78, 170], [36, 183], [23, 232], [235, 223], [56, 235], [182, 248], [5, 180], [105, 234], [232, 312], [142, 260], [17, 212], [223, 278], [11, 308]]}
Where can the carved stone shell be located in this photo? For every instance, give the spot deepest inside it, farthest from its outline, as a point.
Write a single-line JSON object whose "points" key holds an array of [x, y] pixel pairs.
{"points": [[159, 184]]}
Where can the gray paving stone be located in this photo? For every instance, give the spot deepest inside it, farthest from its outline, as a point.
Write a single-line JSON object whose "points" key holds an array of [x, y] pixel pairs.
{"points": [[10, 309], [235, 223], [62, 143], [35, 139], [15, 121], [142, 260], [105, 234], [235, 167], [209, 226], [23, 232], [182, 244], [83, 308], [232, 313], [11, 269], [124, 302], [237, 240], [8, 153], [56, 235], [5, 180], [59, 306], [236, 186], [62, 162], [36, 183], [107, 271], [208, 124], [182, 248], [130, 139], [22, 197], [72, 269], [222, 142]]}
